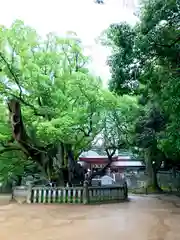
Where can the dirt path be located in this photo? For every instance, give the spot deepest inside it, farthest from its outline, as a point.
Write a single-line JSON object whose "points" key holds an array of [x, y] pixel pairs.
{"points": [[143, 218]]}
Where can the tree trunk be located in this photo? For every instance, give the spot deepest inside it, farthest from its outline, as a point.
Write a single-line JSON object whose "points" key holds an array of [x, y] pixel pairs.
{"points": [[19, 180], [50, 158], [102, 172], [75, 170], [174, 174], [19, 133], [152, 182]]}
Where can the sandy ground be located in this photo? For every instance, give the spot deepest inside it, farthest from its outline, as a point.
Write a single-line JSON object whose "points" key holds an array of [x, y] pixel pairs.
{"points": [[141, 218]]}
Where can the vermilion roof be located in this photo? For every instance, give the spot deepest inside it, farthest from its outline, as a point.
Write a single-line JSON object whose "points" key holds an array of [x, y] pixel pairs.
{"points": [[96, 159], [104, 159], [118, 161]]}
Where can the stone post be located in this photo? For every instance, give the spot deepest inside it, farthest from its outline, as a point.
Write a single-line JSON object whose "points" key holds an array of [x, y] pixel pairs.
{"points": [[85, 193], [125, 190], [29, 194]]}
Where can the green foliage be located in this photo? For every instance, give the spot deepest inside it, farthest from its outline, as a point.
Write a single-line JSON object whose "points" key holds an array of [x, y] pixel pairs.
{"points": [[160, 37], [121, 37], [5, 131], [49, 77], [12, 165], [145, 60], [12, 161], [117, 125], [61, 101]]}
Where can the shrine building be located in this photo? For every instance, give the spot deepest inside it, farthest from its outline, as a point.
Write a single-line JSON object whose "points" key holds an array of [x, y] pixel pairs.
{"points": [[119, 163]]}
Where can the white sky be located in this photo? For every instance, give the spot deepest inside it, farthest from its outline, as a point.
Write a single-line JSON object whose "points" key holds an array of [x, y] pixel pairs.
{"points": [[84, 17]]}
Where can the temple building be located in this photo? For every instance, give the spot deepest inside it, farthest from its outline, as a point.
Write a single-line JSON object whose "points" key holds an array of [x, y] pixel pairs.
{"points": [[93, 161]]}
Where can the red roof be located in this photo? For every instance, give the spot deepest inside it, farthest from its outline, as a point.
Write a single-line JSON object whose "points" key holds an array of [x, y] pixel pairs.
{"points": [[102, 159]]}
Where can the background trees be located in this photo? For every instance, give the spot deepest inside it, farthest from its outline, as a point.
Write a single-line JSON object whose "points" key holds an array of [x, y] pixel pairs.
{"points": [[57, 108], [145, 63], [116, 129]]}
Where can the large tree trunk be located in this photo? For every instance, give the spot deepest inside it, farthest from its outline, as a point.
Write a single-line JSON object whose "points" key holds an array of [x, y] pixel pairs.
{"points": [[152, 181], [19, 180], [76, 172], [51, 158], [19, 133]]}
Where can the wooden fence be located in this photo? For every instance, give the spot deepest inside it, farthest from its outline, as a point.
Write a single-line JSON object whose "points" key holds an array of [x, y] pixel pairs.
{"points": [[85, 194]]}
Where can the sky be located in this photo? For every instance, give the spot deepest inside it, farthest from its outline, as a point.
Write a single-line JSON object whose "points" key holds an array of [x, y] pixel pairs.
{"points": [[84, 17]]}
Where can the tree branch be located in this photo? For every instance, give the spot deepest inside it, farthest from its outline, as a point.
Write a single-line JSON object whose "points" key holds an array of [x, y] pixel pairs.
{"points": [[12, 73], [102, 171], [20, 89], [168, 45], [8, 149], [76, 62], [36, 111], [90, 127], [68, 59]]}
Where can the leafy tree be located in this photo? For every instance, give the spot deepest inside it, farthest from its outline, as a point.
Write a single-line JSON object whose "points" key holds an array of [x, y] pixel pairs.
{"points": [[145, 61], [13, 164], [159, 43], [162, 32], [120, 38], [147, 129], [117, 127], [55, 105]]}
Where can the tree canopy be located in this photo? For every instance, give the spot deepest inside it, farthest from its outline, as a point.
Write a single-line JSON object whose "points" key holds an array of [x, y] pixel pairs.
{"points": [[53, 108], [145, 62], [56, 107]]}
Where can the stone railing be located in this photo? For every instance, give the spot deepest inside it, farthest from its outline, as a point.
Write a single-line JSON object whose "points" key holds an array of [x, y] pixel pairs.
{"points": [[76, 195]]}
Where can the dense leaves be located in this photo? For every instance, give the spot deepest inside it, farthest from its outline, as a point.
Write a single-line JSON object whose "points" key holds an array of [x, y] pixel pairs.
{"points": [[117, 125], [58, 109], [145, 61], [120, 37], [56, 106]]}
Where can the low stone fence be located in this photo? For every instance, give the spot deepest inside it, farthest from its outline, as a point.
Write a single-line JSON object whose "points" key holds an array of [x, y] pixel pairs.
{"points": [[76, 195]]}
